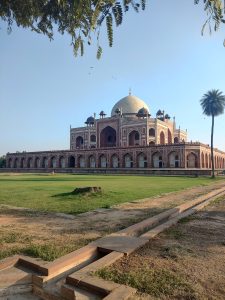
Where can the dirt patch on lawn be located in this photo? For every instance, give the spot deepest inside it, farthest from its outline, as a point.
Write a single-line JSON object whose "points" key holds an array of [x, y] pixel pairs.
{"points": [[50, 235], [185, 262]]}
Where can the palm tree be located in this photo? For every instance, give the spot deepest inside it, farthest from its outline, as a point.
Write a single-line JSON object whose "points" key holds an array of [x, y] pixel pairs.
{"points": [[213, 103]]}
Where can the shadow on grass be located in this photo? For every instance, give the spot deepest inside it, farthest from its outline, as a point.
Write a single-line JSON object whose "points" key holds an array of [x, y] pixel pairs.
{"points": [[78, 196], [69, 194]]}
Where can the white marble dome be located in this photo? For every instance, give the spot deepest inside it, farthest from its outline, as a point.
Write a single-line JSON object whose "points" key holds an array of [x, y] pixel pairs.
{"points": [[129, 105]]}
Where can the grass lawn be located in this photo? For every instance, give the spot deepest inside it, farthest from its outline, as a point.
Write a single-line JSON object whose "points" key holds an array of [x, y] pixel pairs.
{"points": [[47, 192]]}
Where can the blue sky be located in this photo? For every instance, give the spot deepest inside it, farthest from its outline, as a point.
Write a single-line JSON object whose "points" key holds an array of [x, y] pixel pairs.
{"points": [[159, 53]]}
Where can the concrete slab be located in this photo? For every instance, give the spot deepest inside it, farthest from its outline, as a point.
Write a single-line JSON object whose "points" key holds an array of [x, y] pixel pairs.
{"points": [[74, 293], [14, 276], [26, 296], [122, 244]]}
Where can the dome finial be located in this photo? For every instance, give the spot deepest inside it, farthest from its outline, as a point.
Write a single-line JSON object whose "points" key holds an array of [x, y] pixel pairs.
{"points": [[129, 91]]}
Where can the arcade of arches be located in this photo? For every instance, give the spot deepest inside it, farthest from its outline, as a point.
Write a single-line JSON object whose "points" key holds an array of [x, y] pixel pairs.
{"points": [[139, 157]]}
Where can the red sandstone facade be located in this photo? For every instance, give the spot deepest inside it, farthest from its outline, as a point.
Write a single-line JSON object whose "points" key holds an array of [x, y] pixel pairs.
{"points": [[186, 155], [128, 140]]}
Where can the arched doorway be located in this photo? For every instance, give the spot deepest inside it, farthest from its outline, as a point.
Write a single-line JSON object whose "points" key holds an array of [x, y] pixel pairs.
{"points": [[203, 160], [162, 138], [62, 162], [93, 138], [176, 140], [16, 163], [157, 161], [102, 161], [142, 160], [152, 132], [169, 137], [92, 162], [79, 142], [71, 162], [128, 162], [53, 163], [45, 162], [115, 161], [81, 161], [134, 138], [174, 160], [108, 137], [22, 162], [29, 162], [37, 162], [10, 163], [206, 161], [191, 160]]}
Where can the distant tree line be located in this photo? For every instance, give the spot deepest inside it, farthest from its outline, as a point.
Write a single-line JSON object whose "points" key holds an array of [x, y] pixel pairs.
{"points": [[2, 161]]}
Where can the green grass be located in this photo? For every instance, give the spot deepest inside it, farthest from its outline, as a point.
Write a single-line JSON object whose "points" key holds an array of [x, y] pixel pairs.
{"points": [[45, 251], [46, 192], [152, 281]]}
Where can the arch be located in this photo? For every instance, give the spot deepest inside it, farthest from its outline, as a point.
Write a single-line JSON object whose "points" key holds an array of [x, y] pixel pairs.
{"points": [[128, 161], [79, 142], [16, 163], [102, 161], [29, 162], [44, 162], [169, 137], [203, 160], [157, 161], [71, 161], [162, 138], [151, 143], [174, 160], [115, 161], [93, 138], [134, 138], [176, 140], [215, 164], [81, 161], [92, 162], [152, 132], [22, 162], [10, 163], [108, 137], [37, 162], [220, 163], [53, 162], [206, 161], [62, 162], [142, 160], [191, 160]]}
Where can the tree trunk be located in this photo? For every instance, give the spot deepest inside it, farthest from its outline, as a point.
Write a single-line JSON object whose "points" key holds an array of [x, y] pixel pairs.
{"points": [[212, 154]]}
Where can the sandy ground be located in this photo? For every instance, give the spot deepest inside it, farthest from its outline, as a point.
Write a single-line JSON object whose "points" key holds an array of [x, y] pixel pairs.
{"points": [[193, 250], [19, 226]]}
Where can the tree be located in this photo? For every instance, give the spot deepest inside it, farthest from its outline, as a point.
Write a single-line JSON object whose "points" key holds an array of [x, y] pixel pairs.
{"points": [[2, 161], [213, 103], [83, 19]]}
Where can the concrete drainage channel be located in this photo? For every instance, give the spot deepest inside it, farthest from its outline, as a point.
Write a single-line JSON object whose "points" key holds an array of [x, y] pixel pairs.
{"points": [[71, 276]]}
